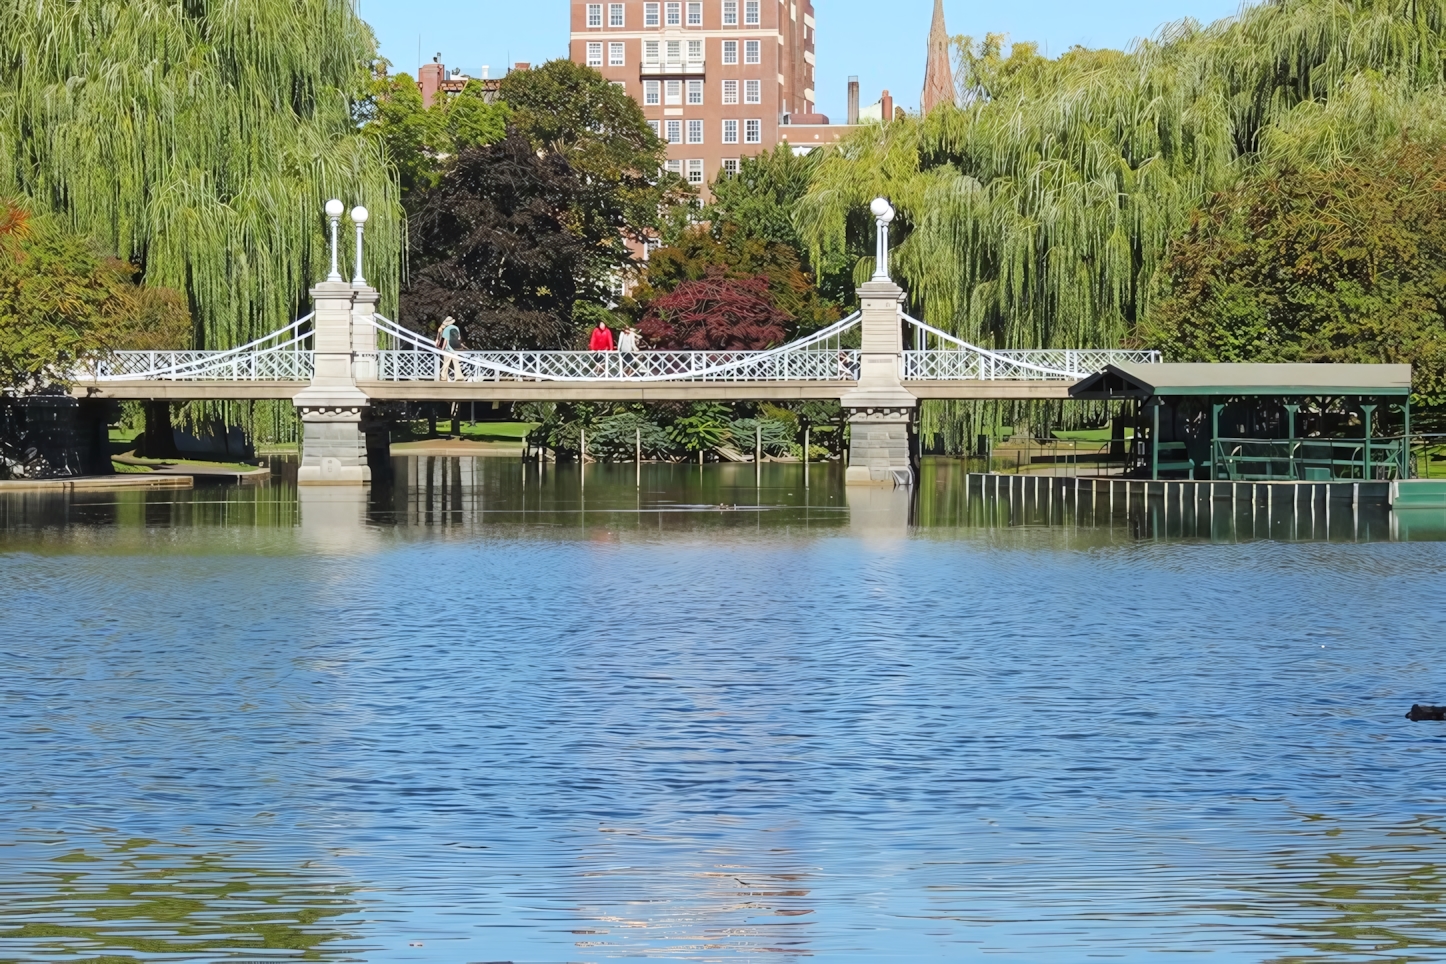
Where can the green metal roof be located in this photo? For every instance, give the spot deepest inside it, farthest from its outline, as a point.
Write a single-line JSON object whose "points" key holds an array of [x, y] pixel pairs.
{"points": [[1140, 380]]}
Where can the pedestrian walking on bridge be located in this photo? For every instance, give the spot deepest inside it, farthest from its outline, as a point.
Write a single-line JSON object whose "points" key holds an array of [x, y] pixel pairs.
{"points": [[449, 339], [601, 340]]}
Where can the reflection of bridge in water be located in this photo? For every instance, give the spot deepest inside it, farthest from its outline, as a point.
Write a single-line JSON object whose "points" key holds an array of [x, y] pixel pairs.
{"points": [[343, 363]]}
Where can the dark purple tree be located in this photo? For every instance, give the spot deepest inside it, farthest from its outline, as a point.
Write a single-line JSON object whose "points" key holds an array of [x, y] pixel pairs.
{"points": [[715, 313]]}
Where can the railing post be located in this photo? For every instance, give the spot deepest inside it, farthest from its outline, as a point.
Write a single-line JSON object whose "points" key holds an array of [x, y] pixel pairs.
{"points": [[1367, 410]]}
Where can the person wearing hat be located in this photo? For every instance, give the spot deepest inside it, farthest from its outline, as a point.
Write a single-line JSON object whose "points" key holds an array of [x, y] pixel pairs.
{"points": [[449, 339]]}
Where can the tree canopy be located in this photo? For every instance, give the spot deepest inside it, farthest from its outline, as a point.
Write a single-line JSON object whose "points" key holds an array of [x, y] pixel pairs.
{"points": [[565, 108], [1038, 213], [61, 297], [1342, 264], [420, 140], [520, 239], [746, 234], [199, 142], [506, 246], [715, 313]]}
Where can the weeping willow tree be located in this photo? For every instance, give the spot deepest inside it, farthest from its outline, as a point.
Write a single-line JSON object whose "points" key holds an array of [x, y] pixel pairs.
{"points": [[199, 140], [1037, 212]]}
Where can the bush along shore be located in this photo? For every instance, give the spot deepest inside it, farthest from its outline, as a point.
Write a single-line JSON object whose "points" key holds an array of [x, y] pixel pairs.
{"points": [[684, 432]]}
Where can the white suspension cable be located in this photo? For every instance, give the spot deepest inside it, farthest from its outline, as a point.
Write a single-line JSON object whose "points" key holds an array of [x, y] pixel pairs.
{"points": [[220, 358], [1002, 359]]}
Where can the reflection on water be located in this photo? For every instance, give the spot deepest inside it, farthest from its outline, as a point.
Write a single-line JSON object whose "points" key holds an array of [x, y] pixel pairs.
{"points": [[450, 493], [487, 715], [134, 899]]}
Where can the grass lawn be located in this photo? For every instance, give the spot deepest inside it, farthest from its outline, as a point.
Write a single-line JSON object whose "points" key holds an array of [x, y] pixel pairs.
{"points": [[471, 431], [1090, 434]]}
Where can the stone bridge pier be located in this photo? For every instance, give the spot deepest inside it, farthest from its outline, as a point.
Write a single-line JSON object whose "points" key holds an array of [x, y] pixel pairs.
{"points": [[336, 416]]}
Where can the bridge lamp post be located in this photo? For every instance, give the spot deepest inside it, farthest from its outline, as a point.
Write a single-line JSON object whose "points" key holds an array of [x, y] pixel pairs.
{"points": [[359, 217], [883, 213], [334, 208]]}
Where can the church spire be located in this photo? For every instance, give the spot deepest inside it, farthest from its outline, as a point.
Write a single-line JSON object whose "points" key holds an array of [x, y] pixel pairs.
{"points": [[938, 77]]}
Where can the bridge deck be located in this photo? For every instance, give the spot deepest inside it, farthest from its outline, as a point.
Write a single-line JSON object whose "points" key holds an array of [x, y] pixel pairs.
{"points": [[597, 391]]}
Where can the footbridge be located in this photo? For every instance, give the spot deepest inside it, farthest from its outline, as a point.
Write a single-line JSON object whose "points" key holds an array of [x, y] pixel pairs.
{"points": [[342, 360]]}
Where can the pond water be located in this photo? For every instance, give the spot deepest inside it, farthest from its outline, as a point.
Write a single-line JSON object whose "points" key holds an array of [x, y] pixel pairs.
{"points": [[706, 715]]}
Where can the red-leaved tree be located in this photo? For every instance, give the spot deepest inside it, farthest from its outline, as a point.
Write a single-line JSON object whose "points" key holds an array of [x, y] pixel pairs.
{"points": [[715, 313]]}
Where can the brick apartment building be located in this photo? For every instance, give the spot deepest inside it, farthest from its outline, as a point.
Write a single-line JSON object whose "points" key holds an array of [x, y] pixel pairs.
{"points": [[717, 79]]}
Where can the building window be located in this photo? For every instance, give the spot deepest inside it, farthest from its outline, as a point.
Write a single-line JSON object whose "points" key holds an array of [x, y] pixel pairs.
{"points": [[674, 167], [751, 51], [695, 170], [594, 55], [750, 12], [753, 92], [650, 15], [657, 127], [615, 55], [695, 51], [753, 132], [675, 132], [621, 85], [730, 91], [730, 166], [730, 13], [650, 52], [675, 51], [730, 132], [695, 92], [594, 15], [675, 14], [615, 15], [695, 14], [672, 91], [695, 132], [730, 51], [652, 93]]}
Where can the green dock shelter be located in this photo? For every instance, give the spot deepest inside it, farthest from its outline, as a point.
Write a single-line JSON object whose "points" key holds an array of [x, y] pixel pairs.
{"points": [[1262, 422]]}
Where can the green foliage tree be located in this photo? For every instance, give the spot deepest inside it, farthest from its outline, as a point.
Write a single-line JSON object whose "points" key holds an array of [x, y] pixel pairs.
{"points": [[571, 110], [1342, 264], [420, 140], [198, 141], [757, 202], [61, 299]]}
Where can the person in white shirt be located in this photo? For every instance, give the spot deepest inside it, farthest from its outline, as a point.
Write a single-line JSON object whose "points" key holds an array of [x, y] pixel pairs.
{"points": [[627, 347]]}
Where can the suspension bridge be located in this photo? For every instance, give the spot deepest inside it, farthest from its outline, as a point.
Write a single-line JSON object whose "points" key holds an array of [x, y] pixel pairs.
{"points": [[343, 360]]}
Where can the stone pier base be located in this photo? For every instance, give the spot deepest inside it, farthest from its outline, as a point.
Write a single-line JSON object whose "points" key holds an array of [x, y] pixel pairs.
{"points": [[879, 450], [333, 446]]}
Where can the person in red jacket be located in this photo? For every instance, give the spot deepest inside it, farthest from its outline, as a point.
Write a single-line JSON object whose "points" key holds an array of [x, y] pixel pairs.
{"points": [[602, 338]]}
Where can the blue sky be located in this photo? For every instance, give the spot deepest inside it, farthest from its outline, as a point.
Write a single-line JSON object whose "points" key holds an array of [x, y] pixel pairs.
{"points": [[881, 42]]}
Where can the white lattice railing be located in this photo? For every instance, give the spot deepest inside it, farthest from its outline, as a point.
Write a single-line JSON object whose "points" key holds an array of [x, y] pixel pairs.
{"points": [[580, 366], [957, 360], [818, 357], [255, 361]]}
